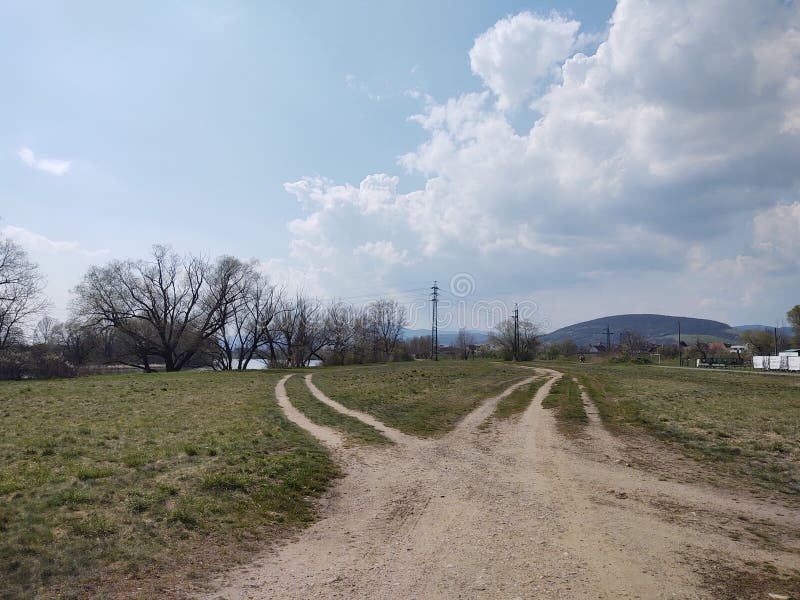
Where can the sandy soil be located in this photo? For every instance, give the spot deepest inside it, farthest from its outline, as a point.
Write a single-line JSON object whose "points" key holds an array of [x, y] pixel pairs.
{"points": [[515, 511]]}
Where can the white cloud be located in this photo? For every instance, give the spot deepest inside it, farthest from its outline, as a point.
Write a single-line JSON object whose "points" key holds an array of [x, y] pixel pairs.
{"points": [[520, 52], [36, 242], [646, 156], [384, 251], [777, 231], [48, 165]]}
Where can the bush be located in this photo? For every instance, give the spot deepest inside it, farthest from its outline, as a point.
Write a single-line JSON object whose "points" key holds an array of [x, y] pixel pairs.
{"points": [[33, 363], [14, 363], [50, 365]]}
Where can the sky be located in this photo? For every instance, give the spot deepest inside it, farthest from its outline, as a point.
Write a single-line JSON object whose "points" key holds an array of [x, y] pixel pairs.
{"points": [[580, 159]]}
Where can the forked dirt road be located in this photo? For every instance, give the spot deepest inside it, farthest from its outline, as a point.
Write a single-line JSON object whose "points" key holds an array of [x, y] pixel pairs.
{"points": [[513, 511]]}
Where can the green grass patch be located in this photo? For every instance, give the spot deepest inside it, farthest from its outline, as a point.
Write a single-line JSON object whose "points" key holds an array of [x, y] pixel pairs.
{"points": [[355, 431], [744, 425], [101, 477], [565, 397], [423, 398], [515, 403]]}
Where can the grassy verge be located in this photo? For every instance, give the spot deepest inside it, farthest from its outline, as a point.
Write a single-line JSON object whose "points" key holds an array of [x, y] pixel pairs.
{"points": [[746, 426], [420, 398], [355, 430], [565, 397], [515, 403], [111, 485]]}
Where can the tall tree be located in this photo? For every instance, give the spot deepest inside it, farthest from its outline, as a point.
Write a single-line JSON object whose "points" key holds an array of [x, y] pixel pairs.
{"points": [[760, 342], [503, 337], [166, 307], [340, 325], [794, 320], [21, 296], [387, 319], [464, 340], [300, 331], [247, 316]]}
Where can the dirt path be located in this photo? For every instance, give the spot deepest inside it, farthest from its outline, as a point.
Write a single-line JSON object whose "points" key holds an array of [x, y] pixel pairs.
{"points": [[517, 511]]}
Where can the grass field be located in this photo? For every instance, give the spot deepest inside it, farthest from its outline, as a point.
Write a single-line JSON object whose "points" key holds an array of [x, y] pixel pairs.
{"points": [[355, 431], [112, 479], [747, 425], [565, 397], [420, 398], [515, 403]]}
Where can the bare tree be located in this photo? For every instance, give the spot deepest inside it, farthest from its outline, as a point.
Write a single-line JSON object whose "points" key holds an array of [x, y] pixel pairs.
{"points": [[77, 340], [503, 338], [340, 327], [21, 296], [419, 346], [300, 331], [167, 307], [387, 320], [633, 342], [464, 340], [248, 318], [45, 331], [761, 342]]}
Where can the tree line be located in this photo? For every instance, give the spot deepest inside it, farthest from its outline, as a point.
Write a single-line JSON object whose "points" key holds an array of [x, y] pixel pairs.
{"points": [[171, 312]]}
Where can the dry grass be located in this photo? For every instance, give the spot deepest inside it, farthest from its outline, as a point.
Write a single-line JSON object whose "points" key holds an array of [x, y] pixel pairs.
{"points": [[745, 426], [421, 398], [111, 479]]}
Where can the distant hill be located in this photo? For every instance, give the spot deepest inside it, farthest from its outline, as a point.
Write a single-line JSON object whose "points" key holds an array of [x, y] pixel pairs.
{"points": [[656, 328]]}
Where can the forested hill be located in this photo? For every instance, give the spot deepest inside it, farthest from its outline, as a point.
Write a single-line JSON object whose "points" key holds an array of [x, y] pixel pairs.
{"points": [[657, 328]]}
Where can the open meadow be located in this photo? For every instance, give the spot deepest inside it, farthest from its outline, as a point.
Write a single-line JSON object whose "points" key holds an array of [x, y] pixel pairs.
{"points": [[419, 398], [109, 482], [744, 427], [141, 486]]}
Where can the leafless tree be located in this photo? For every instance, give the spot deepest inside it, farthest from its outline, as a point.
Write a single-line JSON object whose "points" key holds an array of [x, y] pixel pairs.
{"points": [[78, 341], [45, 331], [464, 340], [761, 342], [340, 325], [633, 342], [21, 296], [248, 320], [300, 331], [166, 307], [419, 347], [503, 337], [387, 319]]}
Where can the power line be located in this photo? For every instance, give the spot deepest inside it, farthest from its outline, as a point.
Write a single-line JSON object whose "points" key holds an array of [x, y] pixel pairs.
{"points": [[608, 333], [435, 322]]}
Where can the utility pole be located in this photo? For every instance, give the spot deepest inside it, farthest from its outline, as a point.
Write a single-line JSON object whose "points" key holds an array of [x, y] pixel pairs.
{"points": [[516, 332], [680, 349], [435, 322], [777, 352], [608, 333]]}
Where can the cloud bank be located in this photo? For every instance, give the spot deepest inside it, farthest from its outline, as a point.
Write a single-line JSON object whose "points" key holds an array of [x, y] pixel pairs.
{"points": [[664, 166]]}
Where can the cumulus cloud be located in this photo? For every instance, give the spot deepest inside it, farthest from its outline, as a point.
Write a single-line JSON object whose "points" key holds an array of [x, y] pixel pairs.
{"points": [[518, 53], [47, 165], [646, 156], [384, 251]]}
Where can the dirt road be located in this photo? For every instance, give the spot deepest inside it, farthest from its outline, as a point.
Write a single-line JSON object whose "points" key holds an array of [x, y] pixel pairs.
{"points": [[515, 511]]}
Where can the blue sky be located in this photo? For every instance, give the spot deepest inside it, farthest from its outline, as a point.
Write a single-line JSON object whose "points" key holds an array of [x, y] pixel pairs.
{"points": [[584, 157]]}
